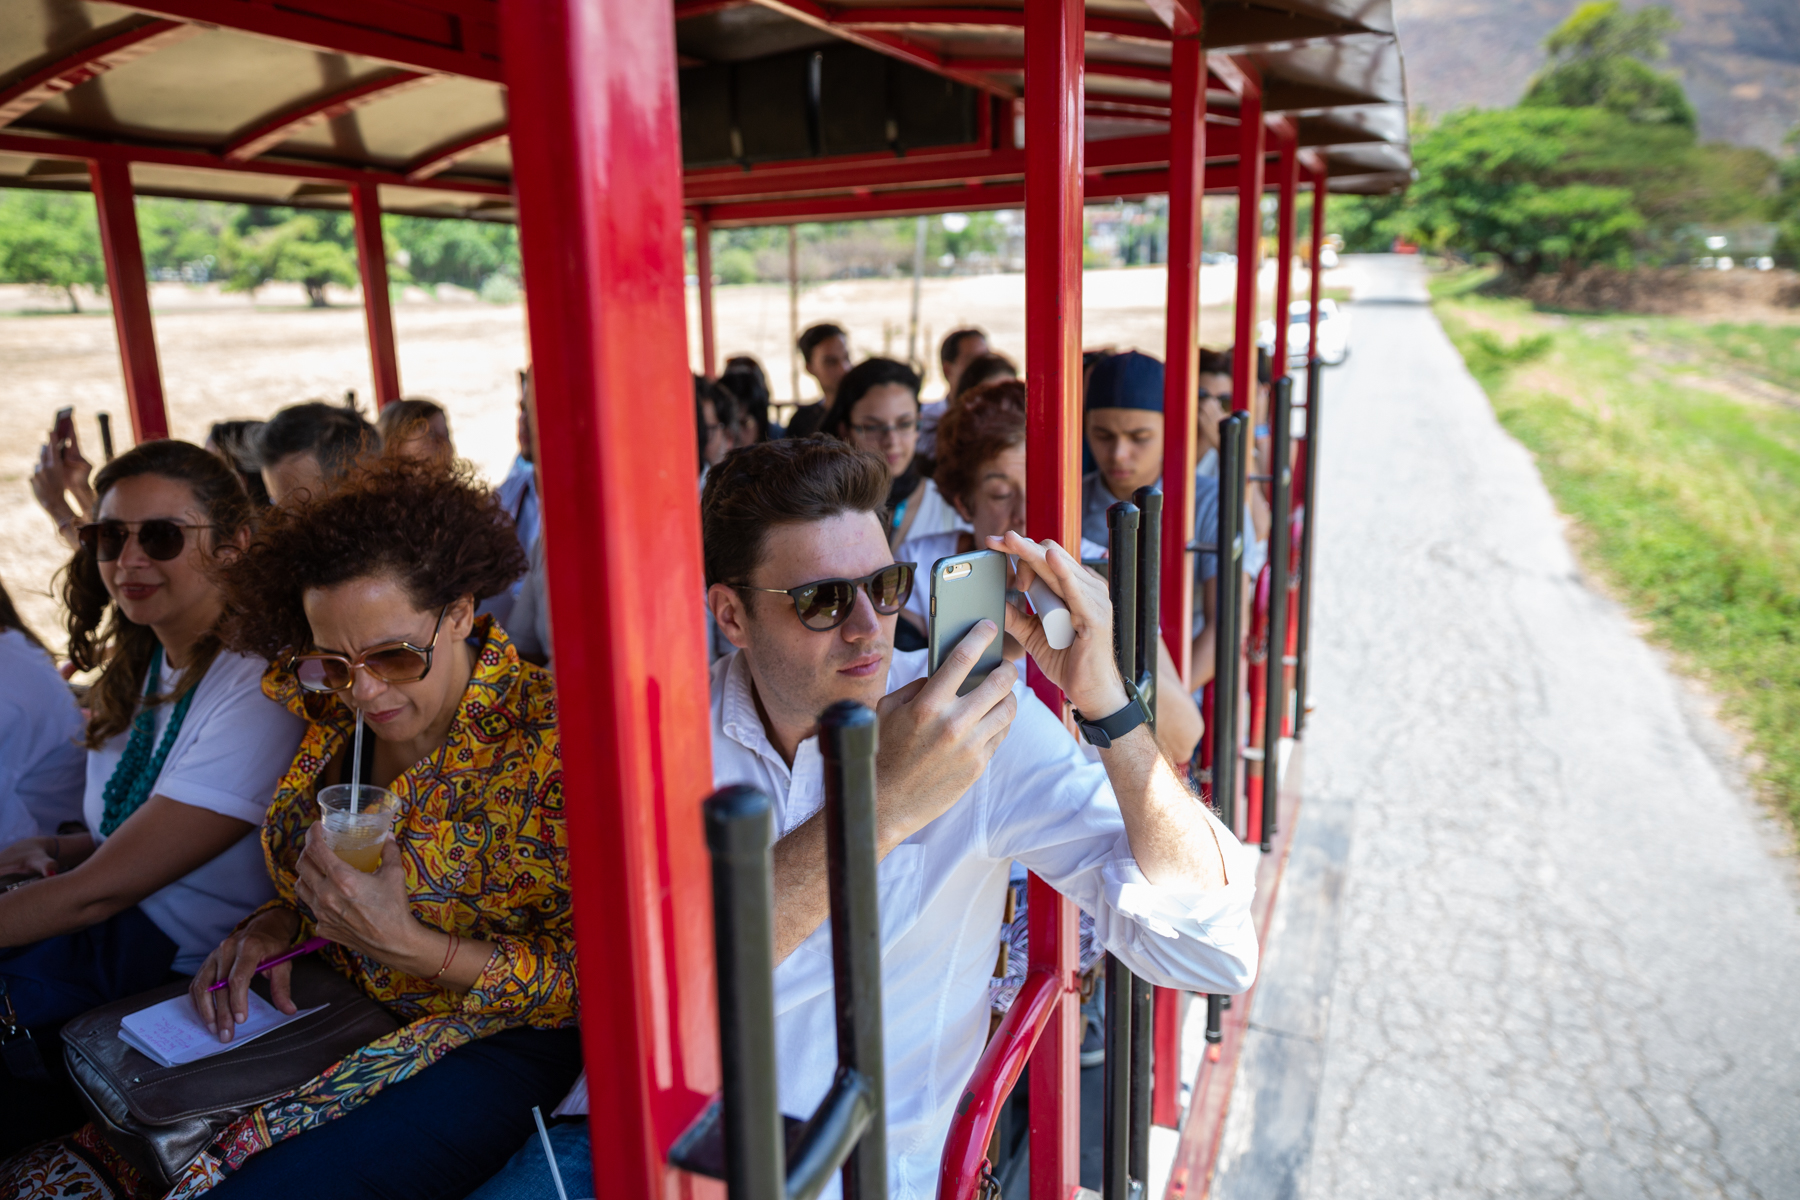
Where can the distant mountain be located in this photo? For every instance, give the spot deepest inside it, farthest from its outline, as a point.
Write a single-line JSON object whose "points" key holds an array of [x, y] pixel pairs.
{"points": [[1740, 59]]}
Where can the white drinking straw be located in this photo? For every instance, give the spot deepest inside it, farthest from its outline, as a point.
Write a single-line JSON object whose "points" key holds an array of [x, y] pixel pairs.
{"points": [[356, 763], [555, 1174]]}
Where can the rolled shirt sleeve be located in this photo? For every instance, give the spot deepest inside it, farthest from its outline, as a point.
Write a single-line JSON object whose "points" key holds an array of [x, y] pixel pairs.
{"points": [[1053, 811]]}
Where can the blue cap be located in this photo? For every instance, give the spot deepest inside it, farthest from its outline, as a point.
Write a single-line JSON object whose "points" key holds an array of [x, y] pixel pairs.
{"points": [[1128, 380]]}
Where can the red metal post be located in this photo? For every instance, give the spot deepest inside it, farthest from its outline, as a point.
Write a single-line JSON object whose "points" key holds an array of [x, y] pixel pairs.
{"points": [[1187, 155], [596, 151], [709, 361], [1249, 252], [1053, 243], [378, 308], [1287, 182], [130, 292]]}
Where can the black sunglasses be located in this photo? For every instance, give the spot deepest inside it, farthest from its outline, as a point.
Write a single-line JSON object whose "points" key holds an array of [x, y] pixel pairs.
{"points": [[161, 538], [827, 603]]}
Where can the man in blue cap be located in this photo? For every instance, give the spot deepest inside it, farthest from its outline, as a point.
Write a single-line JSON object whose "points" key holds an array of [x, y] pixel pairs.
{"points": [[1124, 427]]}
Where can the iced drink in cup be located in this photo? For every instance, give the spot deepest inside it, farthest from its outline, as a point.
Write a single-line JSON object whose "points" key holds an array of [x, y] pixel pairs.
{"points": [[356, 837]]}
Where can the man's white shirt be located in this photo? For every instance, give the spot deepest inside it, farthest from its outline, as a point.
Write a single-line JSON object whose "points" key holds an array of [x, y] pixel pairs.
{"points": [[1040, 802]]}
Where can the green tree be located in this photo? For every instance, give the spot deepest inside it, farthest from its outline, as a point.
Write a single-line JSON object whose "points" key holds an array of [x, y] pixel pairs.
{"points": [[1599, 58], [1787, 203], [298, 250], [50, 239], [430, 251]]}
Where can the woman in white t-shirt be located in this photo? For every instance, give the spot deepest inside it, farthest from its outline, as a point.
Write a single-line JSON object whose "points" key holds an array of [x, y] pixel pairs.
{"points": [[183, 753], [42, 765]]}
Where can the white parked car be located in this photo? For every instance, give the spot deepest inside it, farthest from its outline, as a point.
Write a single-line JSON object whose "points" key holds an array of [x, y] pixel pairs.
{"points": [[1334, 333]]}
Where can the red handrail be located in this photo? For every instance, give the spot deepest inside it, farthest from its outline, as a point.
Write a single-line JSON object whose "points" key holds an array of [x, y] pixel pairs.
{"points": [[965, 1150]]}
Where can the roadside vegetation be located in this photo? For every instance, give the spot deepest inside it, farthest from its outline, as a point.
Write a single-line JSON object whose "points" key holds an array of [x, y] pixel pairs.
{"points": [[1675, 447]]}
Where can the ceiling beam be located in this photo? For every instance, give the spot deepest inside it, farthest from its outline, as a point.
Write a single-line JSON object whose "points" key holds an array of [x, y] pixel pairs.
{"points": [[272, 131], [79, 66], [898, 17], [440, 159], [825, 18], [78, 150], [1094, 66]]}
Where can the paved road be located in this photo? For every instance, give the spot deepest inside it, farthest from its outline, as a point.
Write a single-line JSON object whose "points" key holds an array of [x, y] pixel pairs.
{"points": [[1538, 943]]}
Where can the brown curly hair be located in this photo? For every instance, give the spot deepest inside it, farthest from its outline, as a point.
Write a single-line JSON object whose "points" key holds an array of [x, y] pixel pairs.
{"points": [[982, 424], [439, 532], [102, 636]]}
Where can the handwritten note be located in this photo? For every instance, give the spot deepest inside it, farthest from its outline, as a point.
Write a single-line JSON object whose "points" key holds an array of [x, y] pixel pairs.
{"points": [[171, 1034]]}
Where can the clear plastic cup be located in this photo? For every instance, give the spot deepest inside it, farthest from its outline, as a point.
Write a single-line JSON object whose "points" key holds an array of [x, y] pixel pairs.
{"points": [[356, 837]]}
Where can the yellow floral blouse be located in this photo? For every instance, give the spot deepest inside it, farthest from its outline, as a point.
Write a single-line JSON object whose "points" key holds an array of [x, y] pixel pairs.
{"points": [[481, 838]]}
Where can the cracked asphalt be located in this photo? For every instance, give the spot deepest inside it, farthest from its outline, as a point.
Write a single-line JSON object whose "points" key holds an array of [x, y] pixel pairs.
{"points": [[1567, 951]]}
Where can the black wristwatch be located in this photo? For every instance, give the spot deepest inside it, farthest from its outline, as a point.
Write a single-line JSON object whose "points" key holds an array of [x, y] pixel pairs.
{"points": [[1104, 732]]}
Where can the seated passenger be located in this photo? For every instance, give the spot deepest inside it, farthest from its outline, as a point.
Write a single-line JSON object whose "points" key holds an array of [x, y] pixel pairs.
{"points": [[416, 427], [235, 442], [877, 411], [965, 786], [959, 348], [825, 353], [464, 931], [981, 471], [518, 494], [182, 757], [744, 378], [1124, 426], [43, 769], [714, 409], [1215, 406], [306, 448]]}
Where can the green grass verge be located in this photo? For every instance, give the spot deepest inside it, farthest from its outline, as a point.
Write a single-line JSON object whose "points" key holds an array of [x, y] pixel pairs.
{"points": [[1688, 493]]}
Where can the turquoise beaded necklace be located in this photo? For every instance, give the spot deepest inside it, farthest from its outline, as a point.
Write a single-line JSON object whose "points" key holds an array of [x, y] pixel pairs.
{"points": [[136, 773]]}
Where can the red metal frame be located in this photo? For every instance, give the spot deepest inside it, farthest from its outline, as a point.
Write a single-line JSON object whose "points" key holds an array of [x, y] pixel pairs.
{"points": [[827, 17], [1187, 156], [1249, 239], [435, 162], [1318, 242], [130, 291], [596, 152], [270, 133], [1053, 238], [1287, 183], [709, 362], [457, 37], [1005, 18], [378, 310], [84, 64], [75, 149]]}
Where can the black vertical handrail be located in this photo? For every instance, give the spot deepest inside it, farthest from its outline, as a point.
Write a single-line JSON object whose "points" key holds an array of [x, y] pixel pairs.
{"points": [[1275, 696], [1149, 501], [1122, 532], [1228, 632], [742, 1138], [1309, 491], [739, 832], [847, 742]]}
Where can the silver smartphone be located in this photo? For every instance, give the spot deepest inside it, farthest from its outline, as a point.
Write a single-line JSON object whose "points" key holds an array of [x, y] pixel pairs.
{"points": [[966, 588]]}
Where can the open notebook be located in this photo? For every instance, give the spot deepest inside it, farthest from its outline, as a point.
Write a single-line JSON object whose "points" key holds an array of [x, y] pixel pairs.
{"points": [[171, 1034]]}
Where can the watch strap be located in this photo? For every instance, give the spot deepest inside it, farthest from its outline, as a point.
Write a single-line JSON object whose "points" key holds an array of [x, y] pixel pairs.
{"points": [[1104, 732]]}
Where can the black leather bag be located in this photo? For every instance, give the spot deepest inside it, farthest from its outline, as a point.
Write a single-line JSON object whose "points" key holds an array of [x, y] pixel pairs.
{"points": [[160, 1118]]}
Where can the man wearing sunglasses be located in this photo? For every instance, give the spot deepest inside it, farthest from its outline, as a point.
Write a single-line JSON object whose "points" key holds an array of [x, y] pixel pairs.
{"points": [[801, 581]]}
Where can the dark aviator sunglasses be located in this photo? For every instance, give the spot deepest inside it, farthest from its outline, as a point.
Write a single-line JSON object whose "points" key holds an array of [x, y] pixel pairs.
{"points": [[160, 538], [825, 604]]}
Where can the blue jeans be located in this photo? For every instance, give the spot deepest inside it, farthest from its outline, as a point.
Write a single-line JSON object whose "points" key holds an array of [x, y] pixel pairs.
{"points": [[432, 1137], [526, 1175]]}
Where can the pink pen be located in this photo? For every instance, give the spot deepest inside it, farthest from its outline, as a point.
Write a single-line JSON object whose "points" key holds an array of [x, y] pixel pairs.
{"points": [[306, 947]]}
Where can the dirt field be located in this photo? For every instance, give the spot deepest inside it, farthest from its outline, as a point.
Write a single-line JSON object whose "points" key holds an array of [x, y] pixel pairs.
{"points": [[224, 356]]}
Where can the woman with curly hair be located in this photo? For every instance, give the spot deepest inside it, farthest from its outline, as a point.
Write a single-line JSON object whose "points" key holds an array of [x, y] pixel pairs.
{"points": [[366, 599], [183, 753]]}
